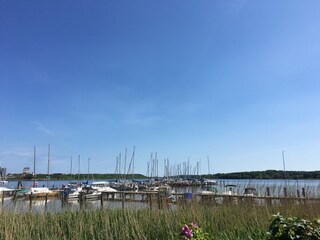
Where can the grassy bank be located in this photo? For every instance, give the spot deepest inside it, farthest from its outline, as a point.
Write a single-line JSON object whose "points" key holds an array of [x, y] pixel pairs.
{"points": [[222, 222]]}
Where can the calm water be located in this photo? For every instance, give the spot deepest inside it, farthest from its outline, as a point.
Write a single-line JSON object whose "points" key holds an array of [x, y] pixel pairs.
{"points": [[312, 188]]}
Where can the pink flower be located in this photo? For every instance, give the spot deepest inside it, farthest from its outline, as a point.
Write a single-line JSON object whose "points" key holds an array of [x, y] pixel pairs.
{"points": [[189, 233], [194, 225], [185, 228]]}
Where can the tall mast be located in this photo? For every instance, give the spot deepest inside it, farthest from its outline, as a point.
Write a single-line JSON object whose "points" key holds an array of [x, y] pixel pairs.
{"points": [[34, 165], [48, 173], [79, 169], [71, 166], [284, 168], [88, 167], [125, 164], [133, 161], [156, 164], [119, 173]]}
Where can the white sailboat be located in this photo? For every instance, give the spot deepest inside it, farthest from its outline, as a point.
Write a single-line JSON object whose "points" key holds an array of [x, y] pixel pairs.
{"points": [[3, 180]]}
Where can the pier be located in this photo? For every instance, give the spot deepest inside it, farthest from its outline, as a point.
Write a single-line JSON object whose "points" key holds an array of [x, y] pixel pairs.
{"points": [[162, 199]]}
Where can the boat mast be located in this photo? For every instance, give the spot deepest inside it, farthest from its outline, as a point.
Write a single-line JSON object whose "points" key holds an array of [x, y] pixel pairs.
{"points": [[125, 165], [134, 148], [88, 167], [156, 163], [34, 166], [284, 168], [119, 173], [48, 174], [79, 169], [71, 166]]}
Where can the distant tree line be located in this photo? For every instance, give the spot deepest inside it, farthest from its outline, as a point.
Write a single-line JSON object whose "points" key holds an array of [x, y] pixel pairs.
{"points": [[60, 176], [268, 174]]}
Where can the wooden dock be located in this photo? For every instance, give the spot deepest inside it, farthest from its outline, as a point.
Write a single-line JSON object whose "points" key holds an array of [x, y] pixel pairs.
{"points": [[161, 200]]}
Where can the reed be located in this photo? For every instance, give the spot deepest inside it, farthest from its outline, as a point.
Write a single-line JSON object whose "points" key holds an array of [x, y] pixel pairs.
{"points": [[224, 222]]}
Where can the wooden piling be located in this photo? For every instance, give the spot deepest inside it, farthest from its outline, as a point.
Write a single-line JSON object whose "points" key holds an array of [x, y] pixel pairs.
{"points": [[285, 193], [159, 200], [46, 200], [150, 200], [63, 198], [101, 199], [304, 195], [2, 197], [81, 198], [30, 200], [123, 195], [268, 199]]}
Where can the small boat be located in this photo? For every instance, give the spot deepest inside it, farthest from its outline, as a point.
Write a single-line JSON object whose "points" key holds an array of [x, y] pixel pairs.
{"points": [[227, 194], [250, 192], [6, 192], [94, 190], [164, 189], [102, 187], [230, 190], [37, 192], [72, 190], [124, 185], [207, 182], [209, 190]]}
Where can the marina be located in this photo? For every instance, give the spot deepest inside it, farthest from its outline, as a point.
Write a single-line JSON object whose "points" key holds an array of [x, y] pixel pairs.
{"points": [[158, 195]]}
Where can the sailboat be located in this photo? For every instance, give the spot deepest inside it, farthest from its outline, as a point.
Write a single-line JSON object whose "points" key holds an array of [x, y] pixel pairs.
{"points": [[35, 191], [4, 190], [3, 180]]}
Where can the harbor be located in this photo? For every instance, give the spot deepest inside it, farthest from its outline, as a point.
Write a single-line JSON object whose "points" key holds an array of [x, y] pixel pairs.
{"points": [[158, 195]]}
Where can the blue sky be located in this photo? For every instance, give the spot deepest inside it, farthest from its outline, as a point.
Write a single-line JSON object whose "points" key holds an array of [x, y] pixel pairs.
{"points": [[238, 81]]}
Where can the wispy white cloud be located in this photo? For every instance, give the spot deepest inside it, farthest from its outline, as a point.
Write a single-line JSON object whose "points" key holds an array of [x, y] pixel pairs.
{"points": [[40, 127]]}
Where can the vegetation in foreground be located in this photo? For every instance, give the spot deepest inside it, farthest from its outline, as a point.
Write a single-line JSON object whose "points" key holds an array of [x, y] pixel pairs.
{"points": [[219, 222]]}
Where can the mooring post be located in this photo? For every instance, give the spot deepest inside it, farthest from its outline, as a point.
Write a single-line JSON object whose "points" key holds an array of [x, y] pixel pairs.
{"points": [[14, 197], [46, 199], [285, 192], [268, 200], [81, 199], [122, 199], [158, 200], [101, 199], [30, 200], [304, 195], [303, 192], [63, 198], [2, 197], [150, 200], [268, 192]]}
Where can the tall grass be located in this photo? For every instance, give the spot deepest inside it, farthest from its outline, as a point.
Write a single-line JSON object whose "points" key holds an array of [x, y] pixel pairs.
{"points": [[242, 221]]}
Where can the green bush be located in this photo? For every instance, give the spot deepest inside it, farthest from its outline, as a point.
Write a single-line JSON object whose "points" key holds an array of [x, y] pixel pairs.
{"points": [[293, 228]]}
